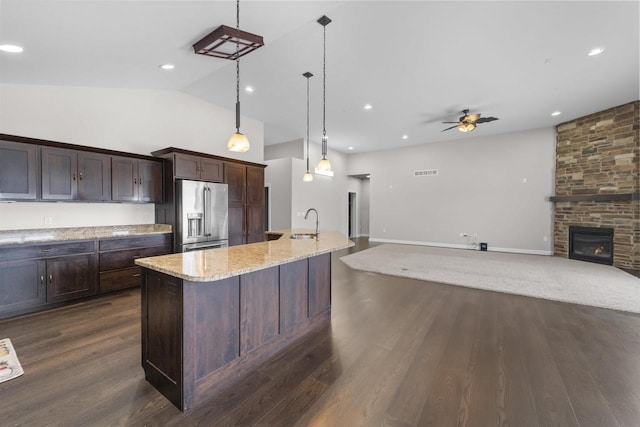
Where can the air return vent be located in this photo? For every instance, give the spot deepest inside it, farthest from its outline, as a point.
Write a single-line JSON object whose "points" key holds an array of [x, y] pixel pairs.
{"points": [[426, 172]]}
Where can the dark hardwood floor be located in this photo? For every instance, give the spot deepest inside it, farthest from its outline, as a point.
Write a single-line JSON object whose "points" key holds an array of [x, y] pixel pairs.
{"points": [[399, 352]]}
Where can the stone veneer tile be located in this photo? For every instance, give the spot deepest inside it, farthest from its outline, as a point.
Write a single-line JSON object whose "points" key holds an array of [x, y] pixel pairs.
{"points": [[600, 154]]}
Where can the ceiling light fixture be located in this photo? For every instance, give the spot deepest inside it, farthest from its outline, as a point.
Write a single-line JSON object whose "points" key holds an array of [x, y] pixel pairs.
{"points": [[368, 106], [167, 66], [349, 148], [249, 89], [10, 48], [224, 42], [238, 141], [596, 51], [405, 136], [324, 166], [466, 127], [308, 177], [556, 113]]}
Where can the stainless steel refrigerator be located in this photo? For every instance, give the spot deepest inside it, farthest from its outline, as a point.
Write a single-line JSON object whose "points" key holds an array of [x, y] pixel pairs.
{"points": [[202, 215]]}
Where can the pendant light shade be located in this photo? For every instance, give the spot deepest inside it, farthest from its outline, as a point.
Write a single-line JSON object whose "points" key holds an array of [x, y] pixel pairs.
{"points": [[238, 142], [324, 166], [308, 177]]}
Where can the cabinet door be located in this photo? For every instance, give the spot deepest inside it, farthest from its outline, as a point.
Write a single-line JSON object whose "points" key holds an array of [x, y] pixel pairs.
{"points": [[255, 185], [124, 179], [236, 225], [71, 277], [255, 224], [235, 177], [22, 284], [211, 169], [59, 174], [94, 176], [18, 166], [149, 181], [186, 166]]}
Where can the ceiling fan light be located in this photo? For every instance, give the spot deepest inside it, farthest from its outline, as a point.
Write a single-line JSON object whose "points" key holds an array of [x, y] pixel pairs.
{"points": [[466, 127], [238, 143]]}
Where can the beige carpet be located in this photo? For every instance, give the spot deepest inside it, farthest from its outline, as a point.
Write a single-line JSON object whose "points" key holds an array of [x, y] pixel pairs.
{"points": [[538, 276]]}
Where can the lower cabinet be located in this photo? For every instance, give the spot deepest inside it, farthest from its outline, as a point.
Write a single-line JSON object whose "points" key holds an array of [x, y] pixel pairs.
{"points": [[36, 275], [118, 255]]}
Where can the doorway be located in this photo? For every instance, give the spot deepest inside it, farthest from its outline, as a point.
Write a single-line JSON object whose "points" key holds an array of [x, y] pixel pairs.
{"points": [[353, 215]]}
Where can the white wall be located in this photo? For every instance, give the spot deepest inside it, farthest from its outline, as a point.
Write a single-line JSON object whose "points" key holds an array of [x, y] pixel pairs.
{"points": [[295, 149], [128, 120], [480, 189], [277, 176]]}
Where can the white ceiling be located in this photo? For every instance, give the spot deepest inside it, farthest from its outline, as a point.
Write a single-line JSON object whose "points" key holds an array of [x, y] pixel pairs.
{"points": [[416, 62]]}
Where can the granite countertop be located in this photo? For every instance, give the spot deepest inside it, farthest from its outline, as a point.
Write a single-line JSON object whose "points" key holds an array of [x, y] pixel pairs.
{"points": [[216, 264], [9, 237]]}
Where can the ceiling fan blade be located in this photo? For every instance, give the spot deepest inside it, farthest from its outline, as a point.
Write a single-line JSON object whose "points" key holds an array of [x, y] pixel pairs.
{"points": [[450, 122], [486, 119], [452, 127]]}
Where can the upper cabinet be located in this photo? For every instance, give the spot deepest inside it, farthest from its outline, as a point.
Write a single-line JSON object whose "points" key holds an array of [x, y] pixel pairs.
{"points": [[18, 171], [75, 175], [136, 180], [187, 166], [35, 169]]}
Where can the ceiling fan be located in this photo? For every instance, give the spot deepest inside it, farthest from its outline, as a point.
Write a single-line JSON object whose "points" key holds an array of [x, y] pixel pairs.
{"points": [[468, 122]]}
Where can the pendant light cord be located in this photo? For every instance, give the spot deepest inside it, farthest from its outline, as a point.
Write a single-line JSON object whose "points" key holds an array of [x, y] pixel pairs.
{"points": [[307, 124], [324, 82], [238, 66]]}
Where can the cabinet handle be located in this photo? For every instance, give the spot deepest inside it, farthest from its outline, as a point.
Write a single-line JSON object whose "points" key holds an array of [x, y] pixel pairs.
{"points": [[42, 280], [51, 278], [74, 176], [135, 181], [80, 175], [45, 250], [136, 275]]}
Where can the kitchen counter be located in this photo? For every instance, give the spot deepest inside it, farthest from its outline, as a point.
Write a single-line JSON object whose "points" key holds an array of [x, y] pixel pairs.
{"points": [[213, 316], [215, 264], [10, 237]]}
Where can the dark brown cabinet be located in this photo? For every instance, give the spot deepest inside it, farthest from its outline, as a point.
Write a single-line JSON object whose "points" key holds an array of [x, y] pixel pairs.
{"points": [[246, 203], [18, 171], [187, 166], [22, 283], [75, 175], [136, 180], [39, 274], [117, 259]]}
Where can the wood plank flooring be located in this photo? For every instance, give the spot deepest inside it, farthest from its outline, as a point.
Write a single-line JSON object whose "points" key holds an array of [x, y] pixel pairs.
{"points": [[399, 352]]}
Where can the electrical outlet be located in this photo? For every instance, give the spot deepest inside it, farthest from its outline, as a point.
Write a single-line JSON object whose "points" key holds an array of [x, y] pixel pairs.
{"points": [[545, 238], [464, 234], [48, 220]]}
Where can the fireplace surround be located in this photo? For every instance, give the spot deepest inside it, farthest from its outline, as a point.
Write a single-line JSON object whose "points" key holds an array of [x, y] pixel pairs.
{"points": [[593, 244]]}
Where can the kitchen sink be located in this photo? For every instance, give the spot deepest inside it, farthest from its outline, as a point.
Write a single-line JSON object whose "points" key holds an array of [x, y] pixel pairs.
{"points": [[303, 236]]}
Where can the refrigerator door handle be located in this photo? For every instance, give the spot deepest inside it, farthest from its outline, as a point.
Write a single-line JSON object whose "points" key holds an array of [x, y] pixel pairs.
{"points": [[207, 212], [205, 217]]}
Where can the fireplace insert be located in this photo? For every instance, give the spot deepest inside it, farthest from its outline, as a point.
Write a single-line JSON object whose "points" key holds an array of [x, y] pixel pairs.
{"points": [[593, 244]]}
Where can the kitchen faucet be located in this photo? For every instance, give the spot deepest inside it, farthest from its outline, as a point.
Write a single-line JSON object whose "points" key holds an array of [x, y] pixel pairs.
{"points": [[317, 218]]}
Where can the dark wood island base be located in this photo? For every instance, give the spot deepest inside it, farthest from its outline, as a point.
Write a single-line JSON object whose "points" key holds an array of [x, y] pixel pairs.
{"points": [[198, 338]]}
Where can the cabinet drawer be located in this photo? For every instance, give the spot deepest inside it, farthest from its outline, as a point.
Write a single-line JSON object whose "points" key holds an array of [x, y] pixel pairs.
{"points": [[124, 259], [120, 279], [134, 242], [46, 250]]}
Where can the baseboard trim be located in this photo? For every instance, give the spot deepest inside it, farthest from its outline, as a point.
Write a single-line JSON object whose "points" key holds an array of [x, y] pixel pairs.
{"points": [[458, 246]]}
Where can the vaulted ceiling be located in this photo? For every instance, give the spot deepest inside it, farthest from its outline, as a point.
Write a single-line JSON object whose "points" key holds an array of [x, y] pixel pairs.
{"points": [[417, 63]]}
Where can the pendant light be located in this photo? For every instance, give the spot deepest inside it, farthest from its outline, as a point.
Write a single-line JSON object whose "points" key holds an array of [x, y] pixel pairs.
{"points": [[238, 142], [308, 177], [324, 166]]}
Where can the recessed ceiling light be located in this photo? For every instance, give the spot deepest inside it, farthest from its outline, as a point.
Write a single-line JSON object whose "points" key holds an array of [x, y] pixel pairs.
{"points": [[368, 176], [167, 66], [350, 148], [596, 51], [10, 48], [556, 113], [405, 136], [368, 106], [249, 89]]}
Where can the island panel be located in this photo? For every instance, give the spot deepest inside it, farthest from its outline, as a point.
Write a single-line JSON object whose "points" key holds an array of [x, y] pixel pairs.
{"points": [[294, 293], [259, 302], [319, 284]]}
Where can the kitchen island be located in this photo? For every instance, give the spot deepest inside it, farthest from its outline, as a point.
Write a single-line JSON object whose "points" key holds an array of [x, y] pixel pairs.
{"points": [[211, 316]]}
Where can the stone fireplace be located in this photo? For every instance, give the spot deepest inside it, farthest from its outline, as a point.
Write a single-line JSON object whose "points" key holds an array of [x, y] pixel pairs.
{"points": [[597, 183]]}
